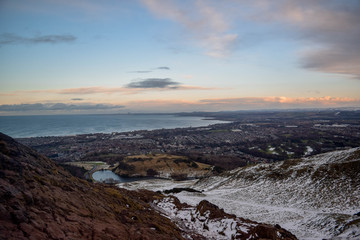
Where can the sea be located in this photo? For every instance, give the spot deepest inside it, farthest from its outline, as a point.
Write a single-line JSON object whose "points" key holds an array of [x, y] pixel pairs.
{"points": [[68, 125]]}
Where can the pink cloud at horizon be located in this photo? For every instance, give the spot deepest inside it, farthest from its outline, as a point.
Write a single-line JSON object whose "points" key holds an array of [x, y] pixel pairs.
{"points": [[245, 103]]}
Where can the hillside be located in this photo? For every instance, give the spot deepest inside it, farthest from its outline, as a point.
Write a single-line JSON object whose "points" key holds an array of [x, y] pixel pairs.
{"points": [[316, 197], [40, 200], [162, 165]]}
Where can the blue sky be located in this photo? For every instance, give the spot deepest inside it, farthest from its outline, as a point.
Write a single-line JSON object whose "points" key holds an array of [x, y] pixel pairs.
{"points": [[169, 56]]}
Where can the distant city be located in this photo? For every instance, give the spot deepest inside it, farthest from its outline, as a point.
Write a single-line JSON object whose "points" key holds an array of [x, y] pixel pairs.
{"points": [[251, 137]]}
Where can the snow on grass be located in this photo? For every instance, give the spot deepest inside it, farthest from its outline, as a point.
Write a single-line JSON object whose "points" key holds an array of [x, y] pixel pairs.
{"points": [[310, 207], [156, 184], [190, 219]]}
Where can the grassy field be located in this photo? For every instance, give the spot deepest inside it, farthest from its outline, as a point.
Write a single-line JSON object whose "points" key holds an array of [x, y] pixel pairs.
{"points": [[88, 165]]}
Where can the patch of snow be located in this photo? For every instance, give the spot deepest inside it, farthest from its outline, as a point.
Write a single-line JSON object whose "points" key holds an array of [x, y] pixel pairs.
{"points": [[156, 184], [308, 151], [189, 219]]}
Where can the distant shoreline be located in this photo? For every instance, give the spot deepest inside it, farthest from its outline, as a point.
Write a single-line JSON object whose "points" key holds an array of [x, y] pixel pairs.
{"points": [[72, 125]]}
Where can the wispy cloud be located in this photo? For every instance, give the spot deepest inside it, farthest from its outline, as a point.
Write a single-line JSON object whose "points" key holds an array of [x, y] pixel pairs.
{"points": [[334, 27], [56, 107], [246, 103], [141, 71], [151, 70], [9, 38], [154, 83], [282, 102], [57, 7], [135, 87], [201, 20], [163, 84], [179, 105], [89, 90], [189, 87], [163, 68], [328, 30]]}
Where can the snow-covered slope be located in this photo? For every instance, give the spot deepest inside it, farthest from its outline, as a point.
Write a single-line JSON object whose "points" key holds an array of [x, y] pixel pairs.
{"points": [[315, 198], [207, 221]]}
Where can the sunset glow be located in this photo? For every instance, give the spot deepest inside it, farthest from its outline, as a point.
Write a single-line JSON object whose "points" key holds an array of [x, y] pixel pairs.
{"points": [[59, 57]]}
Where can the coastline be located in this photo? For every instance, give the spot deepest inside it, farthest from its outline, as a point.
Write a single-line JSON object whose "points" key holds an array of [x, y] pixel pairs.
{"points": [[71, 125]]}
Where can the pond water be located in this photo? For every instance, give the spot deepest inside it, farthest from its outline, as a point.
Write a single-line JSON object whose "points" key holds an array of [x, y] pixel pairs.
{"points": [[109, 176]]}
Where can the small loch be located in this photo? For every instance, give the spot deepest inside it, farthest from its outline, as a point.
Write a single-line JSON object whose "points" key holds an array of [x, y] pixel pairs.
{"points": [[110, 177]]}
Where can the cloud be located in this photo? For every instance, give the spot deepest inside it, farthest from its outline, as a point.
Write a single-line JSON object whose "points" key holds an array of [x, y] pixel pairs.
{"points": [[202, 21], [163, 68], [8, 38], [329, 30], [186, 87], [149, 71], [154, 83], [131, 88], [142, 71], [56, 107], [281, 102], [335, 26], [151, 84], [333, 60], [180, 105], [90, 90], [87, 8], [245, 103]]}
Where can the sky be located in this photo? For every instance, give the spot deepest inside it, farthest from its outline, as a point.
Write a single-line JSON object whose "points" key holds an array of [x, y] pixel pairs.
{"points": [[141, 56]]}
